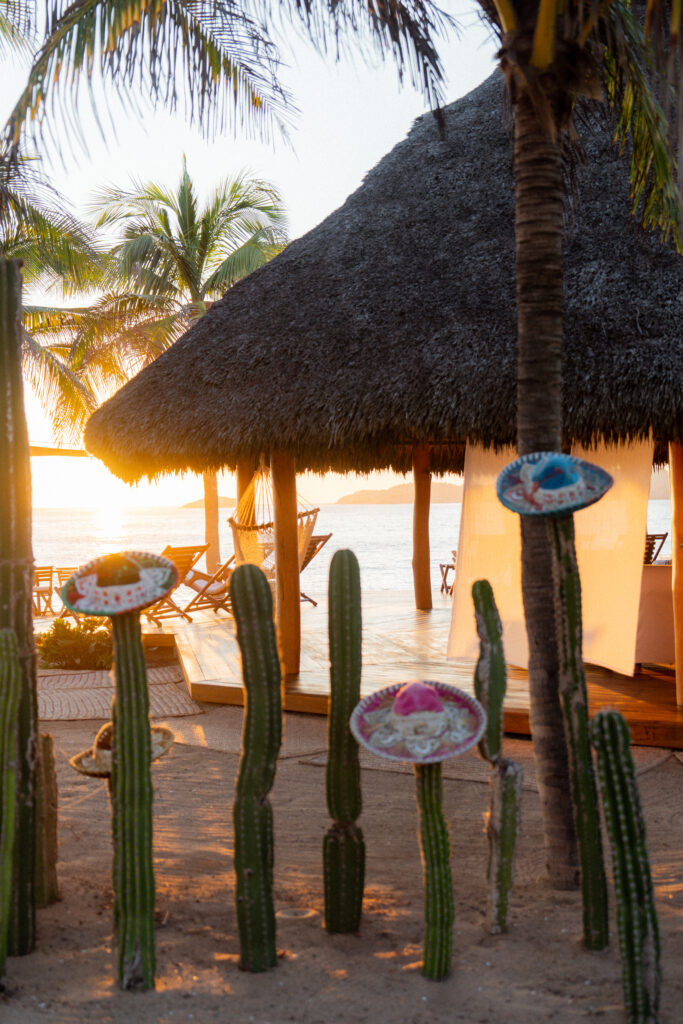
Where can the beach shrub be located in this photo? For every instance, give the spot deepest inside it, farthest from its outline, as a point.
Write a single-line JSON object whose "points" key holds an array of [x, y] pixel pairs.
{"points": [[85, 645]]}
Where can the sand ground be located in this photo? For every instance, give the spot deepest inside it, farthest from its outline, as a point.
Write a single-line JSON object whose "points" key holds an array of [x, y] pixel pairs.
{"points": [[537, 972]]}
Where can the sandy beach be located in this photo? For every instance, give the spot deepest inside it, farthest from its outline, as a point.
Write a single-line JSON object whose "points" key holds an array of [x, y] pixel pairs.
{"points": [[537, 972]]}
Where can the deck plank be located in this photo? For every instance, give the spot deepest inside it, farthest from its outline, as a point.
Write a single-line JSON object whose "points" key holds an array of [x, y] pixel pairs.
{"points": [[401, 644]]}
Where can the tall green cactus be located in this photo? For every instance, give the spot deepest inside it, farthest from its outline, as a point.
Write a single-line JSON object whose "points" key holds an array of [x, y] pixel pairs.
{"points": [[10, 690], [436, 864], [343, 845], [502, 825], [574, 700], [252, 606], [636, 913], [132, 795], [16, 586]]}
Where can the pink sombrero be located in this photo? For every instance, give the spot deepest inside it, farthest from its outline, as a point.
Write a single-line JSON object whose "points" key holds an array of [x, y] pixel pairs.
{"points": [[421, 722]]}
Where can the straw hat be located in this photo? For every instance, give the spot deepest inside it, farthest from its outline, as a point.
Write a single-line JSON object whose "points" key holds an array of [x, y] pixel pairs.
{"points": [[97, 759]]}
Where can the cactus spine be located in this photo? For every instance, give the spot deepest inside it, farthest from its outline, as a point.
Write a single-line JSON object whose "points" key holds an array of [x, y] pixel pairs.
{"points": [[16, 585], [636, 914], [502, 824], [574, 700], [343, 845], [252, 605], [131, 789], [436, 865], [10, 690]]}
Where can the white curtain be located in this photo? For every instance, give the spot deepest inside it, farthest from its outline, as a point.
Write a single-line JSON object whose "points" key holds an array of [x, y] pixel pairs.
{"points": [[610, 537]]}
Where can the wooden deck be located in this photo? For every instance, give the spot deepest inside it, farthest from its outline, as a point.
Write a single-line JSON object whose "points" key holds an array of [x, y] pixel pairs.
{"points": [[400, 644]]}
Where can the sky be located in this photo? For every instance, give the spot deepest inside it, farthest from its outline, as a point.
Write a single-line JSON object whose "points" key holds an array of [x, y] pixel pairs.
{"points": [[350, 115]]}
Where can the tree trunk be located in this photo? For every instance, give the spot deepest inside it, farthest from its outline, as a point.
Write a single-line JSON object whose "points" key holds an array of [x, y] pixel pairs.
{"points": [[676, 491], [422, 481], [211, 537], [539, 269]]}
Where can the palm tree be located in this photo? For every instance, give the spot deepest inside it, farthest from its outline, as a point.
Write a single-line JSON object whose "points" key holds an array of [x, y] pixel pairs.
{"points": [[174, 258], [556, 54], [56, 250]]}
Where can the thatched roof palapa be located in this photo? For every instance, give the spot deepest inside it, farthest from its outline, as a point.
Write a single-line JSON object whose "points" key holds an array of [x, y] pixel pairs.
{"points": [[394, 322]]}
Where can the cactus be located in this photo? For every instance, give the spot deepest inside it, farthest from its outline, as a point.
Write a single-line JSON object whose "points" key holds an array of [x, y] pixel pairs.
{"points": [[572, 688], [119, 586], [47, 887], [10, 690], [490, 679], [343, 845], [436, 852], [131, 789], [16, 585], [252, 605], [503, 818], [636, 914]]}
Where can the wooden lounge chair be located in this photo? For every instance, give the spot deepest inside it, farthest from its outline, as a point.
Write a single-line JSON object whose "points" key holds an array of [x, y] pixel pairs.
{"points": [[42, 590], [184, 559], [210, 591], [64, 573], [315, 545], [654, 543]]}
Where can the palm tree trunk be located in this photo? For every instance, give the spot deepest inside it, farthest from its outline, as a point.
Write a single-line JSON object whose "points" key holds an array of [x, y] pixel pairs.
{"points": [[213, 554], [538, 233]]}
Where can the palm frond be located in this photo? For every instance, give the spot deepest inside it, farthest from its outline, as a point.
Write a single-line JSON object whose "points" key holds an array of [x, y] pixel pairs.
{"points": [[65, 398], [207, 56], [642, 124], [261, 247]]}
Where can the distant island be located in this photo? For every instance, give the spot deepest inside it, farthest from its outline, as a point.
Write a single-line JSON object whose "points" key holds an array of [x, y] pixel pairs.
{"points": [[402, 494], [222, 503]]}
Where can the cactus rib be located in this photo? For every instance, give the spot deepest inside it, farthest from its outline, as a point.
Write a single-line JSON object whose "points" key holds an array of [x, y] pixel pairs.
{"points": [[638, 926], [503, 819], [436, 851], [10, 689], [573, 697], [252, 605], [131, 788], [343, 845], [16, 609]]}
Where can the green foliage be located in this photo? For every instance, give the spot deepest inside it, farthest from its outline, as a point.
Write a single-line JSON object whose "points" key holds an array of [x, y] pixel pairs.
{"points": [[636, 912], [252, 605], [85, 645], [343, 845]]}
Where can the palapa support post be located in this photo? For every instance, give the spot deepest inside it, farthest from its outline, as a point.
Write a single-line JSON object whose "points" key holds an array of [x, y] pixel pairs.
{"points": [[676, 491], [287, 606], [422, 481], [213, 553], [16, 608]]}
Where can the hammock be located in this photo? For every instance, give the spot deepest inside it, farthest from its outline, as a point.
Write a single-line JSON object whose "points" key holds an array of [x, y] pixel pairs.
{"points": [[253, 529]]}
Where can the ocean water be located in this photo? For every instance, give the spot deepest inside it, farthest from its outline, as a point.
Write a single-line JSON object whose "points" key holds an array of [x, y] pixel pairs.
{"points": [[380, 535]]}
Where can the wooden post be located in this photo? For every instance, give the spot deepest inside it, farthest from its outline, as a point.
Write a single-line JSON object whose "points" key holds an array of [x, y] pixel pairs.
{"points": [[422, 481], [287, 602], [211, 537], [676, 491]]}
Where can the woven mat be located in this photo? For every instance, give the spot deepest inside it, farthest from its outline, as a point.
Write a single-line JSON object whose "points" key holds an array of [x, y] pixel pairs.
{"points": [[471, 767], [74, 696]]}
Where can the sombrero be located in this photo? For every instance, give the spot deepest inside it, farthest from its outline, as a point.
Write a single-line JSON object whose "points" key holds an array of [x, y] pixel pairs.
{"points": [[421, 722]]}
